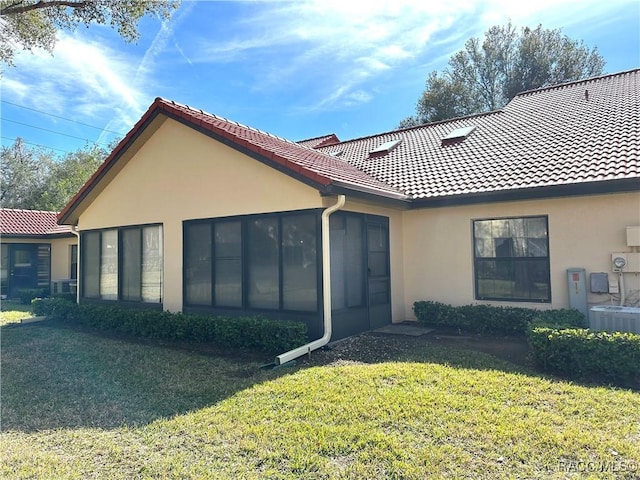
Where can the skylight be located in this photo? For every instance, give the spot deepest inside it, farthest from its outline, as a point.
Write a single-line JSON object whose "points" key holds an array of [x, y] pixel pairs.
{"points": [[459, 133], [386, 147], [337, 153]]}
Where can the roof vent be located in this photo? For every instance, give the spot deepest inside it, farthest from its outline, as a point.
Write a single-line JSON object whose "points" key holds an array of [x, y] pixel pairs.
{"points": [[337, 153], [386, 147], [458, 135]]}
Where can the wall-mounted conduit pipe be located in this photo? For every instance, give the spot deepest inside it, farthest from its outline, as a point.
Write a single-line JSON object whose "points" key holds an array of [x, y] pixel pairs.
{"points": [[326, 290]]}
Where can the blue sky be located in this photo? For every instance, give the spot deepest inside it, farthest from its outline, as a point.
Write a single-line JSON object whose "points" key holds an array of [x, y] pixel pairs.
{"points": [[295, 69]]}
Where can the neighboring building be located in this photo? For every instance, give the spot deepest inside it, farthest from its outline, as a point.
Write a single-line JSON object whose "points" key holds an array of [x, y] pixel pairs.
{"points": [[37, 253], [193, 212]]}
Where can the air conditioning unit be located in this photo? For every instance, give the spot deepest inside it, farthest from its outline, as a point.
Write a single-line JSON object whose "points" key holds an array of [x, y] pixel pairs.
{"points": [[63, 286], [615, 319]]}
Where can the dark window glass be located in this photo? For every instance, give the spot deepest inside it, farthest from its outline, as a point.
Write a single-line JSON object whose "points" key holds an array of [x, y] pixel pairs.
{"points": [[122, 264], [228, 264], [73, 268], [131, 264], [198, 264], [152, 264], [264, 257], [91, 264], [299, 263], [512, 259], [109, 265]]}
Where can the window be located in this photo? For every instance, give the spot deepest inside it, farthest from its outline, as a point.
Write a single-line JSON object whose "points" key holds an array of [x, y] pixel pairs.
{"points": [[262, 262], [228, 264], [512, 259], [123, 264], [73, 261]]}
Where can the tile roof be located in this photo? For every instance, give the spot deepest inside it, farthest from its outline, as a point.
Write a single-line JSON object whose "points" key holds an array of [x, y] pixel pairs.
{"points": [[18, 222], [584, 131], [322, 141]]}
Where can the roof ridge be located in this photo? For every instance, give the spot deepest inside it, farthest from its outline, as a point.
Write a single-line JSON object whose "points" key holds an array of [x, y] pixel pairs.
{"points": [[423, 125], [576, 82], [317, 138], [27, 210], [224, 119]]}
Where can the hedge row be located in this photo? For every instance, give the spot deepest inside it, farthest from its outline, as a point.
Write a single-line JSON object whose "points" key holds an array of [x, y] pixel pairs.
{"points": [[490, 319], [582, 354], [253, 333]]}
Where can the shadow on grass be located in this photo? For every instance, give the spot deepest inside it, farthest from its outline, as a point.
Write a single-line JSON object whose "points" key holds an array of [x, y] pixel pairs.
{"points": [[55, 377]]}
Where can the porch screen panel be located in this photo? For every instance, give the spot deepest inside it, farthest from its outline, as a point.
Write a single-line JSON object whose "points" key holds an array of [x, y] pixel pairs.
{"points": [[152, 264], [228, 264], [109, 265], [347, 264], [338, 235], [299, 263], [44, 266], [90, 264], [354, 264], [198, 264], [131, 264], [264, 259], [4, 269]]}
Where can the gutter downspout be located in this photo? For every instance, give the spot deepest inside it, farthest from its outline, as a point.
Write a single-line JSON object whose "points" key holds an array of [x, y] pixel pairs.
{"points": [[326, 290], [77, 234]]}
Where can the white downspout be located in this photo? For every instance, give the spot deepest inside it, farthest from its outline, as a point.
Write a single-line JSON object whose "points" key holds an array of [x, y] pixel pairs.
{"points": [[326, 290], [77, 234]]}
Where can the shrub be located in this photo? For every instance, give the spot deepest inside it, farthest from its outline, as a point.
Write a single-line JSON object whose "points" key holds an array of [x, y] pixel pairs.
{"points": [[71, 297], [582, 354], [242, 332], [51, 307], [491, 319], [26, 295]]}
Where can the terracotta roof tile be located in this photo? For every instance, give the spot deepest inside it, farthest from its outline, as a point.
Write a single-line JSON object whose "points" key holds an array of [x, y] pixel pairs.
{"points": [[548, 137], [30, 223], [322, 141]]}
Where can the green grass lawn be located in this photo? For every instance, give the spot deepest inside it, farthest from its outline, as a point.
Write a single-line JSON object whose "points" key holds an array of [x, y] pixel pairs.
{"points": [[76, 405]]}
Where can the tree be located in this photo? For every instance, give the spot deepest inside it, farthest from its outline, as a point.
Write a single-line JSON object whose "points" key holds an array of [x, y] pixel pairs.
{"points": [[67, 176], [486, 74], [33, 23], [22, 174], [32, 179]]}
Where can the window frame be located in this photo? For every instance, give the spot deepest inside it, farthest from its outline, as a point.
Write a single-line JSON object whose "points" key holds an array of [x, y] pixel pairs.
{"points": [[119, 264], [245, 220], [511, 260]]}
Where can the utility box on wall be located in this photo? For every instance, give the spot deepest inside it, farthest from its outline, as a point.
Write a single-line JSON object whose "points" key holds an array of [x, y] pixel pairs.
{"points": [[577, 285], [599, 282]]}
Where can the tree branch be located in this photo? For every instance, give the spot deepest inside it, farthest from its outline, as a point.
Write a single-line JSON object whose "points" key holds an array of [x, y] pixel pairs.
{"points": [[16, 8]]}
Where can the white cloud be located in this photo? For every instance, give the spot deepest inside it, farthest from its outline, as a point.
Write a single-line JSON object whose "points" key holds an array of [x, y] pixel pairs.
{"points": [[85, 80], [355, 42]]}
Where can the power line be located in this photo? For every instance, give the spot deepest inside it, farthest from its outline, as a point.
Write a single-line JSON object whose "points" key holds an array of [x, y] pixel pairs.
{"points": [[36, 144], [61, 118], [53, 131]]}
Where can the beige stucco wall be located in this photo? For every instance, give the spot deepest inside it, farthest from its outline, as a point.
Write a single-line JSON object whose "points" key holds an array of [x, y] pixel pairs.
{"points": [[60, 253], [583, 232], [180, 174]]}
